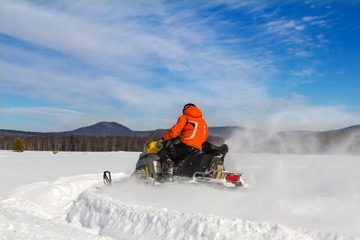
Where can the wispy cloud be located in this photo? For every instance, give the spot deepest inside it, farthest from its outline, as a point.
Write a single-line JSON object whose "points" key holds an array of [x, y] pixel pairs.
{"points": [[125, 48], [116, 60], [304, 72], [45, 118]]}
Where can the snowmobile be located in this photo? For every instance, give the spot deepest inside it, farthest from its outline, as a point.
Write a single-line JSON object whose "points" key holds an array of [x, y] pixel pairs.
{"points": [[205, 168]]}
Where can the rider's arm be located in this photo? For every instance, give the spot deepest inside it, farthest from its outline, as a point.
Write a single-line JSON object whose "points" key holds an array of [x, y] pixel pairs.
{"points": [[176, 129]]}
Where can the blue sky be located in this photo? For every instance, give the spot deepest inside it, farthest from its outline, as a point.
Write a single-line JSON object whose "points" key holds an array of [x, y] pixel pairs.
{"points": [[280, 65]]}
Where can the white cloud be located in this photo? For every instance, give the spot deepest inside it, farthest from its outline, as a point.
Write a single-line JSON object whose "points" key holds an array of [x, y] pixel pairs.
{"points": [[303, 53], [47, 118], [134, 63], [316, 20], [125, 46], [283, 27], [288, 33], [309, 18], [304, 72]]}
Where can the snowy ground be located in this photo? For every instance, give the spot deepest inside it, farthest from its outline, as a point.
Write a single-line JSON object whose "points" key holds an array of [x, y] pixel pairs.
{"points": [[47, 196]]}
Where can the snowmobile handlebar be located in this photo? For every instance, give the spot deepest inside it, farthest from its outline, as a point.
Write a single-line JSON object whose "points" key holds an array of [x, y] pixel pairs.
{"points": [[160, 143]]}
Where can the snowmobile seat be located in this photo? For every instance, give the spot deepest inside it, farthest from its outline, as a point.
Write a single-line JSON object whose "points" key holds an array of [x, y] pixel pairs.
{"points": [[208, 148]]}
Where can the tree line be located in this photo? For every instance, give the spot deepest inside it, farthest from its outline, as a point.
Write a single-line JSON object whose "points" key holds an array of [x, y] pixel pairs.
{"points": [[77, 143], [82, 143]]}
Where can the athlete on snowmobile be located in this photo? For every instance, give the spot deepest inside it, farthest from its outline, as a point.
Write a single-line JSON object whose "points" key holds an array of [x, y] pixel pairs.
{"points": [[193, 132], [182, 154]]}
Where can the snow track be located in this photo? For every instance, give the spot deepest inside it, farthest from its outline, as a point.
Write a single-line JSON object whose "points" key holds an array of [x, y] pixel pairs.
{"points": [[80, 207], [287, 200]]}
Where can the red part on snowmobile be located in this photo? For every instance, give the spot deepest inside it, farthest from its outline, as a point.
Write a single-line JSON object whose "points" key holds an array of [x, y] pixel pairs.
{"points": [[222, 178], [232, 177]]}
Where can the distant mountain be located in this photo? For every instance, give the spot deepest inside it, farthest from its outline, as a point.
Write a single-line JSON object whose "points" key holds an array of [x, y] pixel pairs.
{"points": [[13, 133], [101, 129]]}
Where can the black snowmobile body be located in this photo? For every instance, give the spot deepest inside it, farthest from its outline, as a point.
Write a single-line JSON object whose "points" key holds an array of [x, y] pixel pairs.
{"points": [[206, 167]]}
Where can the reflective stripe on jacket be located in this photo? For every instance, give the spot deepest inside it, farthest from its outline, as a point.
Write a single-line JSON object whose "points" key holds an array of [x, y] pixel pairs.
{"points": [[192, 128]]}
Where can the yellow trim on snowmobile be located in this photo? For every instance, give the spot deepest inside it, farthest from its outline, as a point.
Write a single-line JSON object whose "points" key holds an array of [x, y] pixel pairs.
{"points": [[151, 148], [147, 172]]}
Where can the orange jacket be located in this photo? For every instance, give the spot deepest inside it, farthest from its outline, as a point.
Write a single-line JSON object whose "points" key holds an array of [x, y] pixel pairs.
{"points": [[192, 128]]}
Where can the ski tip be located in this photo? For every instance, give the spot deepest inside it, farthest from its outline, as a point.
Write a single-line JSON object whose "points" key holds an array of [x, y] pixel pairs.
{"points": [[107, 178]]}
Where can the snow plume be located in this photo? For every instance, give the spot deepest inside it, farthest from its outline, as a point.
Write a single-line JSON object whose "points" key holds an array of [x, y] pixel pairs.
{"points": [[342, 141]]}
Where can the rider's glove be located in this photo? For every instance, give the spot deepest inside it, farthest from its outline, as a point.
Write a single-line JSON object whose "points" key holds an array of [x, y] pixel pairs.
{"points": [[160, 143]]}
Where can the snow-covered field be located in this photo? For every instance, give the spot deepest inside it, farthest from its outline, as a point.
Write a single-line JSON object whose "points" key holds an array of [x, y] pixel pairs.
{"points": [[47, 196]]}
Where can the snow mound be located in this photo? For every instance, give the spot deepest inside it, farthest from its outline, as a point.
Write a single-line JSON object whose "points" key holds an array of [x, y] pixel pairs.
{"points": [[38, 210], [122, 219]]}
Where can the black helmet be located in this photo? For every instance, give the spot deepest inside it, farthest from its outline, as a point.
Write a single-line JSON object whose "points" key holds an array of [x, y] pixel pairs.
{"points": [[188, 105]]}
